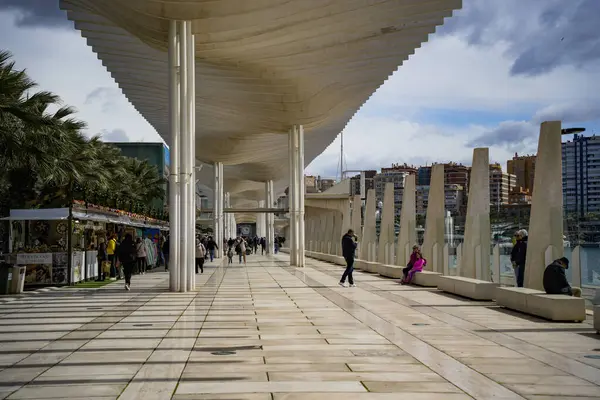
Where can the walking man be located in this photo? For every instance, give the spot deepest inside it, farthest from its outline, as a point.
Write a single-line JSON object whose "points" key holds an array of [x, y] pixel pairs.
{"points": [[348, 250]]}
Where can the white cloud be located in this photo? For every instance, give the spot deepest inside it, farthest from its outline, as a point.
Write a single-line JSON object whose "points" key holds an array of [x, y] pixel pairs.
{"points": [[375, 142], [60, 61], [448, 73]]}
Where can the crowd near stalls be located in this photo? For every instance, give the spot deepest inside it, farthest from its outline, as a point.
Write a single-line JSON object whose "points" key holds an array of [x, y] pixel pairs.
{"points": [[63, 246]]}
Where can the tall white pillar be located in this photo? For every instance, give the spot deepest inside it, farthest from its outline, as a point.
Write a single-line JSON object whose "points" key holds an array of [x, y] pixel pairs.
{"points": [[190, 149], [185, 166], [261, 220], [296, 195], [269, 218], [300, 194], [218, 208], [292, 188], [174, 187]]}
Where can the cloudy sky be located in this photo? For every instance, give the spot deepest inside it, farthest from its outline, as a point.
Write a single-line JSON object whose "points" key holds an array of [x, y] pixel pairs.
{"points": [[488, 77]]}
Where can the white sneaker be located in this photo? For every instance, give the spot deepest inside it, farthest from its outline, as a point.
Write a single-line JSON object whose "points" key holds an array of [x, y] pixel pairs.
{"points": [[342, 284], [353, 285], [127, 287]]}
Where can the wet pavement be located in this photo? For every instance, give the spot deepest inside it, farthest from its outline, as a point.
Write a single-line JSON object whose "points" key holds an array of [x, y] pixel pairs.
{"points": [[268, 331]]}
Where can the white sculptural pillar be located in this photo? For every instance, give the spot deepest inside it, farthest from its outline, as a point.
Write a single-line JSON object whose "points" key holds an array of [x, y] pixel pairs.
{"points": [[300, 194], [369, 230], [407, 237], [386, 226], [476, 246], [546, 220], [174, 186], [434, 221]]}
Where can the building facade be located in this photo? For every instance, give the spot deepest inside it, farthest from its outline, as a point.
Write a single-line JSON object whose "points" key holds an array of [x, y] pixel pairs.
{"points": [[424, 176], [310, 184], [501, 184], [581, 175], [156, 154], [368, 177], [523, 168], [397, 177]]}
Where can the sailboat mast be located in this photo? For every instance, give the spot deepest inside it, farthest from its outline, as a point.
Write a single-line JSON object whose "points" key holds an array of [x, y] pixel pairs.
{"points": [[342, 156]]}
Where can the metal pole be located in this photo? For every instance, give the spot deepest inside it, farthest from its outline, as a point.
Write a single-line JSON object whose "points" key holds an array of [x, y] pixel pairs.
{"points": [[174, 196], [185, 162]]}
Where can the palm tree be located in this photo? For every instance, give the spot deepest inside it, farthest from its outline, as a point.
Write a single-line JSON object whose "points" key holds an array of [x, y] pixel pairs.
{"points": [[46, 160]]}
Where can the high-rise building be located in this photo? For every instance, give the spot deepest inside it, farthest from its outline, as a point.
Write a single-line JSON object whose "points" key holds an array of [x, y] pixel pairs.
{"points": [[410, 169], [581, 175], [396, 177], [453, 198], [501, 184], [369, 183], [424, 176], [523, 167]]}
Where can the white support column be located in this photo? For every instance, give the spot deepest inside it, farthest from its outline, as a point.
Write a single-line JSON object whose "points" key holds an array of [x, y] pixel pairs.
{"points": [[185, 165], [191, 150], [174, 187], [269, 218], [218, 208], [292, 240], [301, 191]]}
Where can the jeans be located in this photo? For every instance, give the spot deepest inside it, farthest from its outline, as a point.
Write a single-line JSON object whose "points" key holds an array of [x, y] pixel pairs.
{"points": [[405, 271], [240, 255], [212, 254], [166, 255], [128, 270], [200, 264], [113, 265], [348, 271], [520, 273], [141, 264]]}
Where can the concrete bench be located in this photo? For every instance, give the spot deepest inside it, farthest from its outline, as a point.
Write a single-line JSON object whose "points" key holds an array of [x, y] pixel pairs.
{"points": [[426, 278], [554, 307], [390, 271], [367, 266], [514, 298], [597, 318], [467, 287]]}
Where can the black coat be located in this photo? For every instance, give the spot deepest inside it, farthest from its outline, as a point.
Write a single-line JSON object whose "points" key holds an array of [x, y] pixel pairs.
{"points": [[348, 246], [555, 280], [519, 252], [127, 252]]}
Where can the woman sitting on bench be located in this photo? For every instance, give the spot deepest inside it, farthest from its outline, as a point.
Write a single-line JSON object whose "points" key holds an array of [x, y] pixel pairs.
{"points": [[417, 266]]}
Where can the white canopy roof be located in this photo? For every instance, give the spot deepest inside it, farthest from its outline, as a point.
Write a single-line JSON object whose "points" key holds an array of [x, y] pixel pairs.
{"points": [[262, 66]]}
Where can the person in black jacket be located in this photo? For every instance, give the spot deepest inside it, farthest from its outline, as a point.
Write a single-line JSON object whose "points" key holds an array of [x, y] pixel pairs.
{"points": [[555, 279], [518, 255], [128, 257], [348, 250]]}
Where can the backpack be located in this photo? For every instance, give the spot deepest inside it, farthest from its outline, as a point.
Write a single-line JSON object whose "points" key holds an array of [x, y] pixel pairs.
{"points": [[230, 253]]}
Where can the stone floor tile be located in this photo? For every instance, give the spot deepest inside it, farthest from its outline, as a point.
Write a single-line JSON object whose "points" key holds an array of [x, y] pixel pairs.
{"points": [[67, 392], [556, 390], [371, 396], [267, 387]]}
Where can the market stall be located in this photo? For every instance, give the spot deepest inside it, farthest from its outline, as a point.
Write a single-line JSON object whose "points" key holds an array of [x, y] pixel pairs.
{"points": [[59, 246]]}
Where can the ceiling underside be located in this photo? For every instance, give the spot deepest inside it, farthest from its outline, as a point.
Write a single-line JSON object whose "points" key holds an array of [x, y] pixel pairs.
{"points": [[261, 66]]}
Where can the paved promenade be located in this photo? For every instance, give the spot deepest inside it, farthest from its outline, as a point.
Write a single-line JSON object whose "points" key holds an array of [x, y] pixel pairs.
{"points": [[269, 331]]}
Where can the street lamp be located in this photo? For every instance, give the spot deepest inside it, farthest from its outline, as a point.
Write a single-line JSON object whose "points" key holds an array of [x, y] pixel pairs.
{"points": [[570, 131]]}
